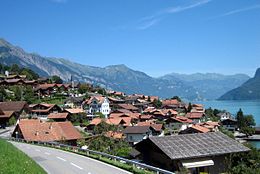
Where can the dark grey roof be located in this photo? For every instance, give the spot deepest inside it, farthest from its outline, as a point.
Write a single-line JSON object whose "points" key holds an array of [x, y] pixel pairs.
{"points": [[136, 129], [197, 145]]}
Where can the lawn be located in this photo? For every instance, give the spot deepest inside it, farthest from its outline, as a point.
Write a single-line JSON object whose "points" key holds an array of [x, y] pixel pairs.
{"points": [[14, 161]]}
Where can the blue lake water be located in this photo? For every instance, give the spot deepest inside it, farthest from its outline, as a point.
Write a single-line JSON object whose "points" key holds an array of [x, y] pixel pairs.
{"points": [[248, 107]]}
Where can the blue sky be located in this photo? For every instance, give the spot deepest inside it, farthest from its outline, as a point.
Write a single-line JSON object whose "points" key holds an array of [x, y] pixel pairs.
{"points": [[153, 36]]}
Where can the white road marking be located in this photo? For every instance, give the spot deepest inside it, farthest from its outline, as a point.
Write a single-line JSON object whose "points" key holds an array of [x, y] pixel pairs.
{"points": [[76, 166], [46, 153], [61, 158], [89, 173], [37, 150]]}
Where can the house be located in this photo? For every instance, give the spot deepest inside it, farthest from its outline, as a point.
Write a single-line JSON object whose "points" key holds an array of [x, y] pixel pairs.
{"points": [[46, 89], [197, 108], [98, 104], [59, 116], [212, 126], [73, 102], [224, 115], [15, 109], [42, 110], [196, 117], [37, 130], [199, 153], [135, 134], [157, 128], [229, 124], [171, 103], [177, 124], [162, 114]]}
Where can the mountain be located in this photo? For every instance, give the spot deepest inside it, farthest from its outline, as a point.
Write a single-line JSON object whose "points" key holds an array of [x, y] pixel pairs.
{"points": [[209, 85], [122, 78], [250, 90]]}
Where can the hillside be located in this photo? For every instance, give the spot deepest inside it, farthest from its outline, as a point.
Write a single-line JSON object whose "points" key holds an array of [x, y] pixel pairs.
{"points": [[250, 90], [122, 78]]}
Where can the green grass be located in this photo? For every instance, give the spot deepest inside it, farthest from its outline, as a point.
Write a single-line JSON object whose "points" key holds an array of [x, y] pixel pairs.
{"points": [[13, 161]]}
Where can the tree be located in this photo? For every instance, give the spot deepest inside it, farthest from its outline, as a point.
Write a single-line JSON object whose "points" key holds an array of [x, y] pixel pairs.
{"points": [[189, 107], [56, 79], [104, 127], [157, 103], [245, 122], [240, 119], [29, 95], [110, 145], [176, 98], [30, 75], [83, 88], [245, 162], [15, 68], [3, 93]]}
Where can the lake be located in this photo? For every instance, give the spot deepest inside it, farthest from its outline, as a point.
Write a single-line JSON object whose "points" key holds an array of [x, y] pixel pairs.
{"points": [[248, 107]]}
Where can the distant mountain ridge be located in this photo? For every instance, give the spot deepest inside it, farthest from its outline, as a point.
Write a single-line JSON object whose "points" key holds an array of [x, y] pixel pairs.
{"points": [[122, 78], [250, 90]]}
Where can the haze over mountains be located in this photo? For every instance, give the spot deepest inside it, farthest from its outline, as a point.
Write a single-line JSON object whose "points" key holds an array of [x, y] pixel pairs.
{"points": [[119, 77]]}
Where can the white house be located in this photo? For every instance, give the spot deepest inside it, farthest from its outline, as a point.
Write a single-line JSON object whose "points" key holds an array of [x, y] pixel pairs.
{"points": [[98, 104]]}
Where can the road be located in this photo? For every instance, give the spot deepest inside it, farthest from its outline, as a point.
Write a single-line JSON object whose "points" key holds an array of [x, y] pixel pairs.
{"points": [[56, 161]]}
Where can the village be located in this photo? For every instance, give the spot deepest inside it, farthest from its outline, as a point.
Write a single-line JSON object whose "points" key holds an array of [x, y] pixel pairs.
{"points": [[166, 133]]}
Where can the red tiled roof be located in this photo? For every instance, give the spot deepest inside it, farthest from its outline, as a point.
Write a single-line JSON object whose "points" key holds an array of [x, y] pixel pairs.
{"points": [[200, 128], [35, 130], [115, 135], [58, 115], [194, 115], [127, 106], [95, 121], [46, 86], [15, 106], [75, 111], [182, 119], [170, 102]]}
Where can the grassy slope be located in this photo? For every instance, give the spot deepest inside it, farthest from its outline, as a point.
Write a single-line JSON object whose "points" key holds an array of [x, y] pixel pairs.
{"points": [[14, 161]]}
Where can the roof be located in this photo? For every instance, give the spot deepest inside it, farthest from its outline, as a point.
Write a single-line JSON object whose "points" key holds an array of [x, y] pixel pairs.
{"points": [[136, 129], [100, 99], [15, 106], [36, 130], [197, 145], [194, 115], [127, 106], [75, 111], [181, 119], [6, 114], [95, 121], [46, 86], [58, 115], [115, 135], [200, 128], [170, 102]]}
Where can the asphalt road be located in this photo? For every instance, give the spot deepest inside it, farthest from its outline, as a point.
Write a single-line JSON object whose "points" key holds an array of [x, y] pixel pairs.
{"points": [[55, 161]]}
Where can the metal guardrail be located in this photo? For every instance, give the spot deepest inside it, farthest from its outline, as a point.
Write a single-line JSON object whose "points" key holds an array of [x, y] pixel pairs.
{"points": [[100, 154]]}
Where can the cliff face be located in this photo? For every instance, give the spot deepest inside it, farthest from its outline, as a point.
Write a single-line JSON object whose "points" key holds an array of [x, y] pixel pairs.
{"points": [[250, 90]]}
